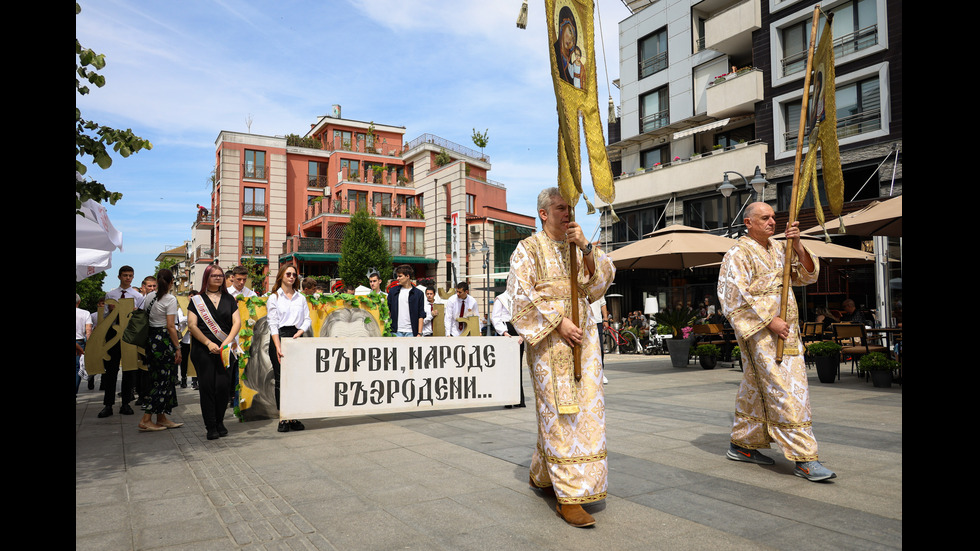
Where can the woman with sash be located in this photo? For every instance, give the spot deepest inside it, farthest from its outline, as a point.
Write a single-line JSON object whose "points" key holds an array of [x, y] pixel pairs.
{"points": [[163, 356], [288, 318], [213, 320]]}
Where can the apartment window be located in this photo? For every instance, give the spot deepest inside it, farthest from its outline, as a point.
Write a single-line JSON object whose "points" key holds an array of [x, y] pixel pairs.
{"points": [[470, 203], [652, 53], [858, 111], [634, 225], [253, 202], [382, 204], [715, 212], [736, 135], [357, 200], [654, 110], [652, 157], [855, 29], [351, 165], [393, 237], [415, 241], [317, 174], [255, 164], [253, 243], [342, 139]]}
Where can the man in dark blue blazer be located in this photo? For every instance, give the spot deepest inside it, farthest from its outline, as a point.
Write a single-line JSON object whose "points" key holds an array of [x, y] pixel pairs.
{"points": [[406, 304]]}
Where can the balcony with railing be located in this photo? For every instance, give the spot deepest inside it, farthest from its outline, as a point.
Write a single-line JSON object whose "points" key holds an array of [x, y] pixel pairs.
{"points": [[730, 31], [254, 172], [203, 254], [681, 175], [735, 93], [255, 210], [843, 45], [851, 125], [331, 245], [377, 146], [653, 64], [655, 121], [317, 181], [446, 144], [331, 207]]}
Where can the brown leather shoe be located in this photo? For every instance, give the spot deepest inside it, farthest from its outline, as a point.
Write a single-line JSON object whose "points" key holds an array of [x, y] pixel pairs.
{"points": [[575, 515]]}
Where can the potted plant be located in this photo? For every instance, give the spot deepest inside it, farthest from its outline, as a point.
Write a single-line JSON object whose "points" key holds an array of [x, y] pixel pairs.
{"points": [[678, 320], [880, 367], [826, 354], [737, 356], [707, 355]]}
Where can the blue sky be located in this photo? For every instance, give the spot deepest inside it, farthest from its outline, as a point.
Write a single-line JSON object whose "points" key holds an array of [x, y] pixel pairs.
{"points": [[179, 72]]}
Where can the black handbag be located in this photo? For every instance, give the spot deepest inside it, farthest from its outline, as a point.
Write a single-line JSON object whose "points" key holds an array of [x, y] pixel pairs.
{"points": [[138, 329]]}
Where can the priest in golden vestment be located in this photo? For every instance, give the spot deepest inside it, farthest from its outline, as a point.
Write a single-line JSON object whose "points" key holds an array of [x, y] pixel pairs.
{"points": [[773, 402], [570, 457]]}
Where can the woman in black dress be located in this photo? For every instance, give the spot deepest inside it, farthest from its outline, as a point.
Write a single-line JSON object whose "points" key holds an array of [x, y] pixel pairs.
{"points": [[214, 323]]}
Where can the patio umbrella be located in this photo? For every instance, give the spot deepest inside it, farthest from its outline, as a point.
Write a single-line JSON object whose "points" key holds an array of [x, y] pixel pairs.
{"points": [[830, 252], [95, 239], [673, 248], [878, 218]]}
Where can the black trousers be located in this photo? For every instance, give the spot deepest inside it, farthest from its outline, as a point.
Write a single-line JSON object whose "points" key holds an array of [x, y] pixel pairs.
{"points": [[112, 375], [512, 331], [213, 382]]}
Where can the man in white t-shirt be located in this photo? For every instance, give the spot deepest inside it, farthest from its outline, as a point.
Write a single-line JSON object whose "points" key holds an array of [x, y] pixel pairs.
{"points": [[83, 328], [238, 276], [406, 304]]}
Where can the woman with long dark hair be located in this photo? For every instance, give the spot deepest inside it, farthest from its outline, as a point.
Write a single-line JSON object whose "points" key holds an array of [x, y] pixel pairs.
{"points": [[288, 317], [163, 355], [213, 320]]}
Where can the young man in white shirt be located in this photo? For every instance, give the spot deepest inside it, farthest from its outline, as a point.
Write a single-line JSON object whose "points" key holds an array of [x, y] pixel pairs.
{"points": [[406, 304], [125, 290], [238, 276], [460, 305]]}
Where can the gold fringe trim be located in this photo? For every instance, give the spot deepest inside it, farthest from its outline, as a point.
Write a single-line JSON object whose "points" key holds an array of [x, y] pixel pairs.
{"points": [[571, 460], [584, 499], [776, 424]]}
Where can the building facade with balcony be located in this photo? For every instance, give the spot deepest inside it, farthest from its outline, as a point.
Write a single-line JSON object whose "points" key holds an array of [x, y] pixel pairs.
{"points": [[710, 87], [282, 203]]}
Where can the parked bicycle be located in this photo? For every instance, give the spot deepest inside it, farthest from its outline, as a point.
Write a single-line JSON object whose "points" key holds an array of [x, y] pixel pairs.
{"points": [[624, 340]]}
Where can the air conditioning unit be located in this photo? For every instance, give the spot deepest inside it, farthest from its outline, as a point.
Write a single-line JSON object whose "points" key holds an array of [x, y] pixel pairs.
{"points": [[475, 230]]}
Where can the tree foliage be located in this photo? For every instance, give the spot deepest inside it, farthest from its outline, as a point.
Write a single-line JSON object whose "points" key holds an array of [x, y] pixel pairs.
{"points": [[90, 290], [481, 139], [93, 139], [363, 248], [256, 273], [166, 264], [295, 140]]}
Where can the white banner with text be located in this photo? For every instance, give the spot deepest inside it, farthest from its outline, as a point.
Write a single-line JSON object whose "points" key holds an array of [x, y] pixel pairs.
{"points": [[332, 377]]}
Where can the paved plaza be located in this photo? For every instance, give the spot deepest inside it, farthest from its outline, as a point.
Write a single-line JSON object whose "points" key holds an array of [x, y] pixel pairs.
{"points": [[458, 480]]}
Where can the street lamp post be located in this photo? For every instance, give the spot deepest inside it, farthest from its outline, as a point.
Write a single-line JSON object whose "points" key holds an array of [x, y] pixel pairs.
{"points": [[485, 249], [757, 184]]}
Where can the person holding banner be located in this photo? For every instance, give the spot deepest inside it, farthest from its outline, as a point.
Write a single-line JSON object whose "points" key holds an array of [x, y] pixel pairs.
{"points": [[289, 318], [773, 401], [214, 321], [570, 457]]}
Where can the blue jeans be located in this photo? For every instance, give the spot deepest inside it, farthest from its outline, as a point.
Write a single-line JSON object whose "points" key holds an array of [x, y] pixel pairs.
{"points": [[404, 334]]}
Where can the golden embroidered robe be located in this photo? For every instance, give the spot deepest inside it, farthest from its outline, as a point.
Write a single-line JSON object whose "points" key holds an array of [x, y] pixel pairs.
{"points": [[773, 402], [571, 448]]}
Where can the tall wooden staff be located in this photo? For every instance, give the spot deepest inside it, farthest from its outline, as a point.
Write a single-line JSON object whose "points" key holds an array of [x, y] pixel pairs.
{"points": [[784, 296]]}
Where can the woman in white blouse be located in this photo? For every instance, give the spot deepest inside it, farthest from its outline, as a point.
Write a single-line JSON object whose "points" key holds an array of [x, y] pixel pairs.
{"points": [[163, 355], [288, 317]]}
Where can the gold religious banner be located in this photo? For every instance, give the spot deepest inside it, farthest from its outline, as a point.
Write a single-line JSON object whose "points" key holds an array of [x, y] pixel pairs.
{"points": [[332, 315], [573, 71], [822, 125], [107, 333]]}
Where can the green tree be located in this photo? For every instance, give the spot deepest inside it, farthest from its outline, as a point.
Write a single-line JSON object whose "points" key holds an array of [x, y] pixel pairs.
{"points": [[166, 264], [481, 139], [363, 248], [93, 139], [90, 290], [256, 273]]}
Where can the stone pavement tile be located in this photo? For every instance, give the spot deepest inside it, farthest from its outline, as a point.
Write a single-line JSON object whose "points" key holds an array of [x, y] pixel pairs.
{"points": [[374, 529], [116, 540], [101, 487], [171, 510], [504, 507], [720, 515], [310, 489], [177, 482], [491, 537], [439, 518], [103, 519], [817, 538], [198, 533]]}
